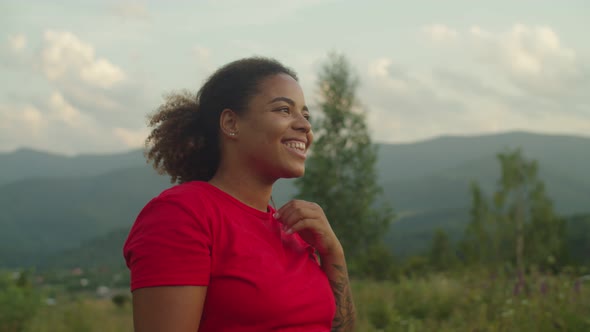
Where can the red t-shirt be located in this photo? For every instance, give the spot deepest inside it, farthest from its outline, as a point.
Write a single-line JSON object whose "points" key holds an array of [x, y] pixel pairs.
{"points": [[258, 278]]}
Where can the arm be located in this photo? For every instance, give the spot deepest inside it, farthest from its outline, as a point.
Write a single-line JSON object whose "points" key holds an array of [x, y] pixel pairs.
{"points": [[174, 308], [334, 265], [309, 221]]}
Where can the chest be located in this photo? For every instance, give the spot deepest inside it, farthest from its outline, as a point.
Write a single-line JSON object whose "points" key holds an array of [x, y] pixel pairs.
{"points": [[260, 274]]}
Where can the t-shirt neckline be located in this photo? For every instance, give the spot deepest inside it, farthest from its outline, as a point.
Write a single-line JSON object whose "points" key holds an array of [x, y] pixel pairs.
{"points": [[247, 208]]}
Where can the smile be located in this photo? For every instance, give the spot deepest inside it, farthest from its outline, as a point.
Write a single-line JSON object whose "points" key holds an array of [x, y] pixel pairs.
{"points": [[297, 147]]}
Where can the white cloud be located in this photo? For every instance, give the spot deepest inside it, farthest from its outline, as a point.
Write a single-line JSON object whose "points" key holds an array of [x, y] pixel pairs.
{"points": [[17, 42], [99, 91], [380, 67], [22, 125], [234, 13], [102, 73], [25, 119], [529, 61], [65, 56], [57, 126], [131, 10], [33, 118], [131, 138], [440, 33], [523, 78], [65, 112], [386, 78], [202, 53], [531, 58], [203, 59]]}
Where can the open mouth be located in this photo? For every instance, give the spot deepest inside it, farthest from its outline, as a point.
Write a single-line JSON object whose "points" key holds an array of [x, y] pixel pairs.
{"points": [[297, 147]]}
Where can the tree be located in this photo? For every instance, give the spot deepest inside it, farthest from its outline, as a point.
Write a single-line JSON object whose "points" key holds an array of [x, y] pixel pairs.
{"points": [[546, 231], [340, 172], [441, 256], [476, 245], [19, 302], [521, 226], [536, 232], [578, 239]]}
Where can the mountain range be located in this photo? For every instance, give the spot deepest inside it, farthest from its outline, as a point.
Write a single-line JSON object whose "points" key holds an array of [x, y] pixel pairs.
{"points": [[56, 207]]}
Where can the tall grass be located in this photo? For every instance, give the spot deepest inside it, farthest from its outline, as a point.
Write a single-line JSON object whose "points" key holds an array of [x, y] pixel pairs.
{"points": [[437, 302], [83, 315], [473, 302]]}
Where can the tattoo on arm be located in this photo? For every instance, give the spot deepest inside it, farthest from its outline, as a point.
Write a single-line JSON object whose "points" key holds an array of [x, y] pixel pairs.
{"points": [[345, 312]]}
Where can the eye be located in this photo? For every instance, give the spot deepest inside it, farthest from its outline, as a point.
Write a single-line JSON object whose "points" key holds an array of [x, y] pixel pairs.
{"points": [[285, 110]]}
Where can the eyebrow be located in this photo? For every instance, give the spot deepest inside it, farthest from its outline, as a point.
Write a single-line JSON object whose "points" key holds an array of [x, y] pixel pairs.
{"points": [[288, 101]]}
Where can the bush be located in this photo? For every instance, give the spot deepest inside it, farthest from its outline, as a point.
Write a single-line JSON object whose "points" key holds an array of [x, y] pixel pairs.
{"points": [[377, 263], [120, 300], [18, 302]]}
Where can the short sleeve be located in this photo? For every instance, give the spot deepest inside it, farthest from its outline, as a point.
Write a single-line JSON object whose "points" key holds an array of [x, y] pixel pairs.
{"points": [[168, 245]]}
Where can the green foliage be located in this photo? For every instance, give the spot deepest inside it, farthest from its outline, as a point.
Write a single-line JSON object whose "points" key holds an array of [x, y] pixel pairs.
{"points": [[77, 317], [472, 302], [381, 314], [82, 314], [416, 267], [377, 263], [120, 300], [520, 227], [578, 239], [18, 302], [340, 173], [442, 254], [478, 245]]}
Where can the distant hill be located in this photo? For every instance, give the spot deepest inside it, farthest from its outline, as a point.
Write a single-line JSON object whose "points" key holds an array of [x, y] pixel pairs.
{"points": [[45, 215], [567, 155], [28, 163], [102, 251], [449, 188], [411, 237], [53, 203]]}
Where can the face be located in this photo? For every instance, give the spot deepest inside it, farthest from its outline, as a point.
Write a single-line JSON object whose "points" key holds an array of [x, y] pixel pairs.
{"points": [[274, 134]]}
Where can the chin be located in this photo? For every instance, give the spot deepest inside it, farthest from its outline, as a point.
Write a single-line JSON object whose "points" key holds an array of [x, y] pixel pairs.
{"points": [[293, 173]]}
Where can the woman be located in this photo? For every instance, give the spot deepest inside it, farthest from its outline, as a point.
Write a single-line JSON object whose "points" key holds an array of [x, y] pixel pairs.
{"points": [[210, 254]]}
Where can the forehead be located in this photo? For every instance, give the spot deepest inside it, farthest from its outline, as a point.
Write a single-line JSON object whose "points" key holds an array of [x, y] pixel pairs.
{"points": [[280, 85]]}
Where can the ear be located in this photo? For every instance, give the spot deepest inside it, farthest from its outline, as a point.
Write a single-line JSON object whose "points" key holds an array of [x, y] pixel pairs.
{"points": [[228, 122]]}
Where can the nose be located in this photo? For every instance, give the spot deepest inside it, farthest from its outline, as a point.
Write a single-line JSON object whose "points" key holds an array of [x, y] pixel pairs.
{"points": [[301, 123]]}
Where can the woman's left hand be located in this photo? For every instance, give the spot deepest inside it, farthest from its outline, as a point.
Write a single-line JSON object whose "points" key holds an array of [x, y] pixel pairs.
{"points": [[309, 221]]}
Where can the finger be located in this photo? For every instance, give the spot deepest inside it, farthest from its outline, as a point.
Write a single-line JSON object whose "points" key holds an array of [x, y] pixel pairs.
{"points": [[287, 210], [295, 214], [288, 206], [302, 224], [291, 216]]}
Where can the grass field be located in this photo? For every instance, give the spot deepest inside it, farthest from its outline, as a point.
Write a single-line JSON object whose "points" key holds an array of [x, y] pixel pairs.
{"points": [[83, 315], [463, 302]]}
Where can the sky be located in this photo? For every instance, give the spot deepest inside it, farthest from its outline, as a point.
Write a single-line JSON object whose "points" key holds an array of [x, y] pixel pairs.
{"points": [[79, 77]]}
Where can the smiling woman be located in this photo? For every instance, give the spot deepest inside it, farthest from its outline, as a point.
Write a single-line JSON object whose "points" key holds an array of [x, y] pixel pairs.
{"points": [[210, 254]]}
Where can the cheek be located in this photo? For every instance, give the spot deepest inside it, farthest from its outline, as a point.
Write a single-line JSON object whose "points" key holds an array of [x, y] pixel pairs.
{"points": [[274, 131]]}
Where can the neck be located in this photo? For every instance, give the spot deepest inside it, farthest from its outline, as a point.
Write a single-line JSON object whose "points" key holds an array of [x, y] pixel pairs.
{"points": [[242, 185]]}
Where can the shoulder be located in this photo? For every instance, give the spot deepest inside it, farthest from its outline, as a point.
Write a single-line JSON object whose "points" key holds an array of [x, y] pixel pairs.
{"points": [[187, 192], [192, 197], [188, 203], [179, 214]]}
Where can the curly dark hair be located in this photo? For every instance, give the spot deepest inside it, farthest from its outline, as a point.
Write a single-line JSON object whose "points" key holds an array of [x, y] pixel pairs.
{"points": [[184, 141]]}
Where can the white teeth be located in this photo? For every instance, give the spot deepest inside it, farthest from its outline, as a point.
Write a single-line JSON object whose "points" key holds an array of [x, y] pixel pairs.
{"points": [[296, 145]]}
